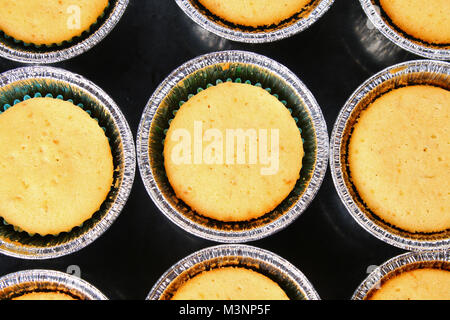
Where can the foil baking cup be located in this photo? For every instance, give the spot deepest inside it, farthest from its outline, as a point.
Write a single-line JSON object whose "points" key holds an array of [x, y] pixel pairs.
{"points": [[17, 51], [297, 24], [419, 72], [200, 73], [379, 19], [288, 277], [19, 283], [395, 266], [28, 81]]}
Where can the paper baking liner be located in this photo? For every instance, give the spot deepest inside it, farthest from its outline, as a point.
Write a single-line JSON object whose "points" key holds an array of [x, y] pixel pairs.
{"points": [[18, 51], [379, 18], [286, 29], [288, 277], [16, 84], [417, 72], [405, 262], [198, 73], [17, 284]]}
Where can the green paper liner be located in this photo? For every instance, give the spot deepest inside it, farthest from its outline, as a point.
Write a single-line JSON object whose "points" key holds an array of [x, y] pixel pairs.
{"points": [[385, 87], [304, 12], [201, 79], [22, 90], [31, 47]]}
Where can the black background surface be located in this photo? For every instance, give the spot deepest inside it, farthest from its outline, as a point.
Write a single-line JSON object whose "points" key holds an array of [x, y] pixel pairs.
{"points": [[333, 57]]}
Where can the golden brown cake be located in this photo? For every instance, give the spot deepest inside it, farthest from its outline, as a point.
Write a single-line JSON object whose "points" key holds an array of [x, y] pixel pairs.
{"points": [[213, 175], [253, 13], [56, 166], [427, 20], [45, 296], [419, 284], [45, 22], [230, 283], [398, 158]]}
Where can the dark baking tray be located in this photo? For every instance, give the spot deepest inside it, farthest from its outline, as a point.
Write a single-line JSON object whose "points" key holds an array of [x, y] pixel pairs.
{"points": [[332, 58]]}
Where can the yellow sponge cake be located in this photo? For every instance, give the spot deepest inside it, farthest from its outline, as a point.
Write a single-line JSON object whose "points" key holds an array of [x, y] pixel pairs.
{"points": [[56, 166], [419, 284], [253, 13], [45, 22], [398, 158], [45, 296], [230, 283], [233, 152], [427, 20]]}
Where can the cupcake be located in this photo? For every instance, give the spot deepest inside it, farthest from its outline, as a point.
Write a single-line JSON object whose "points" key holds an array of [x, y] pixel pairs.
{"points": [[230, 283], [239, 187], [256, 14], [48, 296], [396, 158], [233, 272], [427, 21], [66, 160], [389, 154], [54, 180], [421, 27], [227, 185], [50, 31], [48, 22], [46, 285], [411, 276], [416, 284], [255, 21]]}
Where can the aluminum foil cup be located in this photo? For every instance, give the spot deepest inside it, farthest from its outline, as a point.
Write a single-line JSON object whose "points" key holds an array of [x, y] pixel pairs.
{"points": [[199, 73], [417, 72], [379, 18], [288, 277], [16, 284], [402, 263], [224, 29], [17, 51], [16, 84]]}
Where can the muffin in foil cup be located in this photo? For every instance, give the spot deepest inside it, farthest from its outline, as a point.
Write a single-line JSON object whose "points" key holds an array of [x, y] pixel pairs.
{"points": [[287, 276], [15, 50], [418, 72], [34, 281], [202, 72], [384, 24], [24, 83], [402, 263], [298, 23]]}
